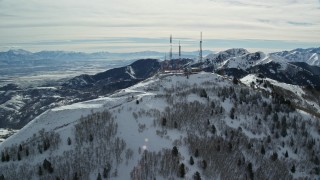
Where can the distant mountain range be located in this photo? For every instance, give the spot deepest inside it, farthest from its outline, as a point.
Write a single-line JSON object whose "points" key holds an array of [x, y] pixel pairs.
{"points": [[310, 55], [19, 55]]}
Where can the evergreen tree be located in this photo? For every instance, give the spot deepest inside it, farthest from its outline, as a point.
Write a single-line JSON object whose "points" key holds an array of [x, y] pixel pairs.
{"points": [[90, 137], [19, 157], [203, 93], [164, 122], [2, 177], [263, 151], [286, 154], [232, 111], [293, 169], [274, 156], [69, 141], [197, 176], [275, 117], [196, 154], [27, 151], [191, 160], [239, 162], [99, 177], [175, 124], [212, 105], [250, 171], [3, 158], [230, 146], [175, 151], [204, 164], [75, 176], [46, 145], [316, 160], [106, 171], [7, 157], [284, 131], [40, 173], [269, 139], [182, 170], [47, 166], [137, 101], [235, 80], [20, 147], [218, 147], [213, 129]]}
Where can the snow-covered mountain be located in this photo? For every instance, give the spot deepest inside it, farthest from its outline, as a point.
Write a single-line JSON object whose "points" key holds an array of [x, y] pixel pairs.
{"points": [[240, 62], [169, 126], [310, 55]]}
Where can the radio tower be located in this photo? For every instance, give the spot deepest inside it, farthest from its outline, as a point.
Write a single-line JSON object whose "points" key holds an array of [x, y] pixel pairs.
{"points": [[179, 51], [200, 53], [170, 48]]}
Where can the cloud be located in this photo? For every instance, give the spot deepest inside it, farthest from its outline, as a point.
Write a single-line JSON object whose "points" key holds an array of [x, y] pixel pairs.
{"points": [[286, 20]]}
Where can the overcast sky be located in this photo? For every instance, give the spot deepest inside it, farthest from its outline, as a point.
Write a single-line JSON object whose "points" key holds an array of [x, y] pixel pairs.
{"points": [[135, 25]]}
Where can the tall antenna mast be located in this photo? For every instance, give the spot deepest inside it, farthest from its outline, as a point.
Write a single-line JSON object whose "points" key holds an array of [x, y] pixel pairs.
{"points": [[179, 51], [200, 53], [170, 47]]}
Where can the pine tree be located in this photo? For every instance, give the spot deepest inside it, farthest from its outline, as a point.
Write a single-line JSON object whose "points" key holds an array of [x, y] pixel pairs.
{"points": [[274, 156], [69, 141], [20, 147], [19, 157], [3, 158], [191, 160], [213, 129], [99, 177], [286, 154], [175, 151], [106, 171], [75, 176], [27, 151], [263, 151], [269, 139], [2, 177], [232, 111], [90, 137], [203, 93], [204, 164], [164, 122], [230, 146], [196, 154], [175, 124], [250, 171], [47, 166], [182, 170], [293, 169], [7, 157], [239, 162], [40, 171], [197, 176], [284, 131]]}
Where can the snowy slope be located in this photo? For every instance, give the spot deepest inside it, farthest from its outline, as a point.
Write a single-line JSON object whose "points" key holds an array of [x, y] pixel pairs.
{"points": [[298, 91], [310, 56], [204, 111]]}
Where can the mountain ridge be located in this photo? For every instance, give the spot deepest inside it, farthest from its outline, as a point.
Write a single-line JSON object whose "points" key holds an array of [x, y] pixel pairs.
{"points": [[150, 129]]}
